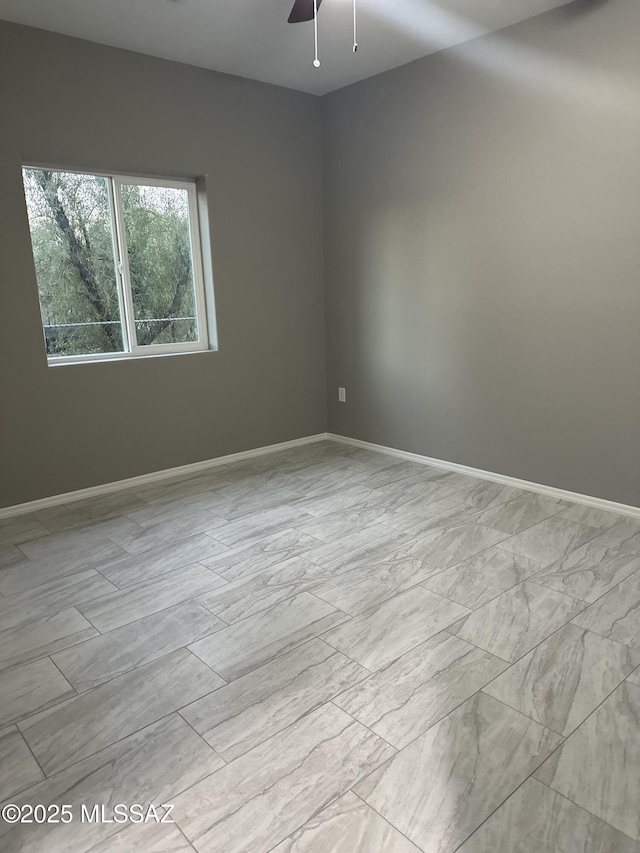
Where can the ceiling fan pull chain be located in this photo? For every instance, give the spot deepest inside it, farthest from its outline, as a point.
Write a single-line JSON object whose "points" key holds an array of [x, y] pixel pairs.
{"points": [[316, 61], [355, 27]]}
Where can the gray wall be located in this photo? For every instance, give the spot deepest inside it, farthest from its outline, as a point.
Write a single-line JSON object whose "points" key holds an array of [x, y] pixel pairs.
{"points": [[70, 102], [482, 226], [482, 213]]}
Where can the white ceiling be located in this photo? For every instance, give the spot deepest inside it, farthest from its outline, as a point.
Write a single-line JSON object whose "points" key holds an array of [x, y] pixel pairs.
{"points": [[252, 38]]}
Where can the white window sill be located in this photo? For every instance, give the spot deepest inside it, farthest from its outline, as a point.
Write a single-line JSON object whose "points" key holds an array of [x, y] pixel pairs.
{"points": [[116, 357]]}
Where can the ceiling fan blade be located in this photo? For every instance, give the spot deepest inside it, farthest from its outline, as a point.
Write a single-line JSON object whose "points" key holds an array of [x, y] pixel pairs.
{"points": [[302, 11]]}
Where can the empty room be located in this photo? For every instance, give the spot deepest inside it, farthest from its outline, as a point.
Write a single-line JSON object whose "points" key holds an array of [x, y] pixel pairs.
{"points": [[319, 467]]}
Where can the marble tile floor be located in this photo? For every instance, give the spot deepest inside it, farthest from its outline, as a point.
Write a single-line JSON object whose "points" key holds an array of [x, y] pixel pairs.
{"points": [[322, 650]]}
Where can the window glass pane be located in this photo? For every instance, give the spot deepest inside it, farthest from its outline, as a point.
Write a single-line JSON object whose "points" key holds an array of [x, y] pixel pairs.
{"points": [[72, 239], [160, 264]]}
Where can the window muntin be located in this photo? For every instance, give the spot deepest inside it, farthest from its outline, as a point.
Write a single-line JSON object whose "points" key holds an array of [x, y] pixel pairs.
{"points": [[118, 264]]}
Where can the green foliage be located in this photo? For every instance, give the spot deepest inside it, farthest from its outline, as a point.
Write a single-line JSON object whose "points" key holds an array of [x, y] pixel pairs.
{"points": [[73, 248], [62, 286], [159, 249]]}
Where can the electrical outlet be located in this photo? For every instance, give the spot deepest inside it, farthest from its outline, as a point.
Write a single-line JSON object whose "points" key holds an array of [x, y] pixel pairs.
{"points": [[342, 395]]}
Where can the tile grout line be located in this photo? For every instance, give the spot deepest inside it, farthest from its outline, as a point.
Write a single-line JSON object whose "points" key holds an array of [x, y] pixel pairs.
{"points": [[206, 743], [548, 758], [50, 658], [381, 816], [97, 600], [100, 634], [93, 755], [565, 739], [407, 745], [584, 808], [79, 695], [357, 615], [517, 788], [562, 627], [42, 770], [320, 639], [180, 830], [328, 700], [422, 583], [304, 716], [530, 579], [375, 734]]}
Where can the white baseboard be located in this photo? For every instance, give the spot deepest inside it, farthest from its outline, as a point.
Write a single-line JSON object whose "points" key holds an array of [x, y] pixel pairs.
{"points": [[550, 491], [155, 476], [195, 467]]}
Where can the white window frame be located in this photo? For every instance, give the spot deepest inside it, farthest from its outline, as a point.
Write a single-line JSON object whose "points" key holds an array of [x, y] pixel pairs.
{"points": [[123, 278]]}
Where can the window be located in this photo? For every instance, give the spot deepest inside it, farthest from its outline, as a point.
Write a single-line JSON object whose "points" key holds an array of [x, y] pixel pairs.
{"points": [[118, 265]]}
